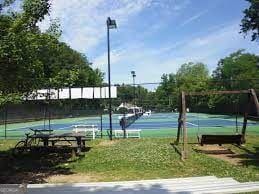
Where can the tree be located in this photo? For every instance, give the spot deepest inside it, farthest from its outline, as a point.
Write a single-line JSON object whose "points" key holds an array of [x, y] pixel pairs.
{"points": [[126, 94], [166, 92], [238, 71], [54, 28], [189, 77], [192, 77], [31, 59], [250, 21], [20, 46]]}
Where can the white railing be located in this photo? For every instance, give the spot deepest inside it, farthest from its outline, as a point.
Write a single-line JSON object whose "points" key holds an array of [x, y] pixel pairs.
{"points": [[93, 129]]}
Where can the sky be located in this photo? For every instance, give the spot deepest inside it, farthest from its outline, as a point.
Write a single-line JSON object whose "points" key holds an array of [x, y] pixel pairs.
{"points": [[153, 36]]}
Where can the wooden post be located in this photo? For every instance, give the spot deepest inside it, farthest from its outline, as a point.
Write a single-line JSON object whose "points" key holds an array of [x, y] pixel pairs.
{"points": [[245, 117], [185, 145], [252, 99], [182, 113], [255, 100]]}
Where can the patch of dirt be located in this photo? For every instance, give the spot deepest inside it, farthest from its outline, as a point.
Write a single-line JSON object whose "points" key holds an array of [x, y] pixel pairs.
{"points": [[36, 165], [27, 177], [72, 178], [108, 143], [226, 154]]}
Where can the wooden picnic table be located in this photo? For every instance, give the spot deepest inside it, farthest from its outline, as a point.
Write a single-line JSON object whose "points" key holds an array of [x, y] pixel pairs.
{"points": [[79, 138]]}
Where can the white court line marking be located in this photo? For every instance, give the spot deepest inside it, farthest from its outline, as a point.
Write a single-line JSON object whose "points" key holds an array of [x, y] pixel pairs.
{"points": [[71, 126], [23, 127], [192, 124]]}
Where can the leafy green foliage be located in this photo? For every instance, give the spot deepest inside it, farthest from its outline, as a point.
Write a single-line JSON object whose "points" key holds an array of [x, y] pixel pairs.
{"points": [[35, 11], [126, 94], [237, 71], [10, 98], [189, 77], [31, 59], [54, 28], [192, 77], [166, 92], [250, 21]]}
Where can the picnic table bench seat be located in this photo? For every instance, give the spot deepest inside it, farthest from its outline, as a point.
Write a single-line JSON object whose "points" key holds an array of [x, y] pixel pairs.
{"points": [[69, 140]]}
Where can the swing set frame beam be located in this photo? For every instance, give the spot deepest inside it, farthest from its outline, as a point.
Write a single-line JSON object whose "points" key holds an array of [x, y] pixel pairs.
{"points": [[182, 127]]}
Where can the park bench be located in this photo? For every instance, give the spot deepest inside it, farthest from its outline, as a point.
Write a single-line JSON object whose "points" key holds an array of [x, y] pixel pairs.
{"points": [[130, 133], [88, 130]]}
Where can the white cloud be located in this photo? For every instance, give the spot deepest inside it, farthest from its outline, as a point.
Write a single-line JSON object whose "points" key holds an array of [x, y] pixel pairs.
{"points": [[194, 17], [84, 29], [210, 48], [83, 22], [14, 7], [115, 56], [150, 63]]}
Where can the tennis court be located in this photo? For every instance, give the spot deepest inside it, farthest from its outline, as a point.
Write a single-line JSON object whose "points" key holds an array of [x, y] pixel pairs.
{"points": [[156, 125]]}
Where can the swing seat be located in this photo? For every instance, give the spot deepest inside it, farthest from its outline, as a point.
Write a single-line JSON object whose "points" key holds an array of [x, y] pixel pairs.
{"points": [[220, 139]]}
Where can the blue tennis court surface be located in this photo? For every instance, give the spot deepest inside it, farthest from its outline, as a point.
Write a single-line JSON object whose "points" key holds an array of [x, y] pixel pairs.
{"points": [[157, 121], [170, 120]]}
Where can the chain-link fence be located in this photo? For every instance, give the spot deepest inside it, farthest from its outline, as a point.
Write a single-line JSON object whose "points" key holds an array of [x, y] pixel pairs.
{"points": [[155, 104]]}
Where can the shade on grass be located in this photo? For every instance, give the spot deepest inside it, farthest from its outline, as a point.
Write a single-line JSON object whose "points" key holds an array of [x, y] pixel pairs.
{"points": [[132, 159]]}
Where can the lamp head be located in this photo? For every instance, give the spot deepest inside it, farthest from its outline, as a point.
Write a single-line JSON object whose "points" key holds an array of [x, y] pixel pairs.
{"points": [[111, 24], [133, 73]]}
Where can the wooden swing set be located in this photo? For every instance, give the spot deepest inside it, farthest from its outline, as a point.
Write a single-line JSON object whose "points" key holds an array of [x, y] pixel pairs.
{"points": [[251, 113]]}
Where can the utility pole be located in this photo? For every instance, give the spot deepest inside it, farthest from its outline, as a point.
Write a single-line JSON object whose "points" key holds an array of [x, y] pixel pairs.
{"points": [[111, 24]]}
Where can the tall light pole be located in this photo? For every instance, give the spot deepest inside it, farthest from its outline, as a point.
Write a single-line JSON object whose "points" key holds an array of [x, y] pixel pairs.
{"points": [[133, 73], [111, 24]]}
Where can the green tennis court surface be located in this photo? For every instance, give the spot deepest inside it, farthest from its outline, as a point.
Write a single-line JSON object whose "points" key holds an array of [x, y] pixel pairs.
{"points": [[156, 125]]}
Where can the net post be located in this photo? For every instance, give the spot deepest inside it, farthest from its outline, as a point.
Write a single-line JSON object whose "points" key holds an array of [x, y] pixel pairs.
{"points": [[185, 140], [5, 122], [101, 125], [179, 122], [123, 125]]}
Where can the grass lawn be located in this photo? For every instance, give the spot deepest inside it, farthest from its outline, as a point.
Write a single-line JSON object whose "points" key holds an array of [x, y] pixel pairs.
{"points": [[130, 159]]}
